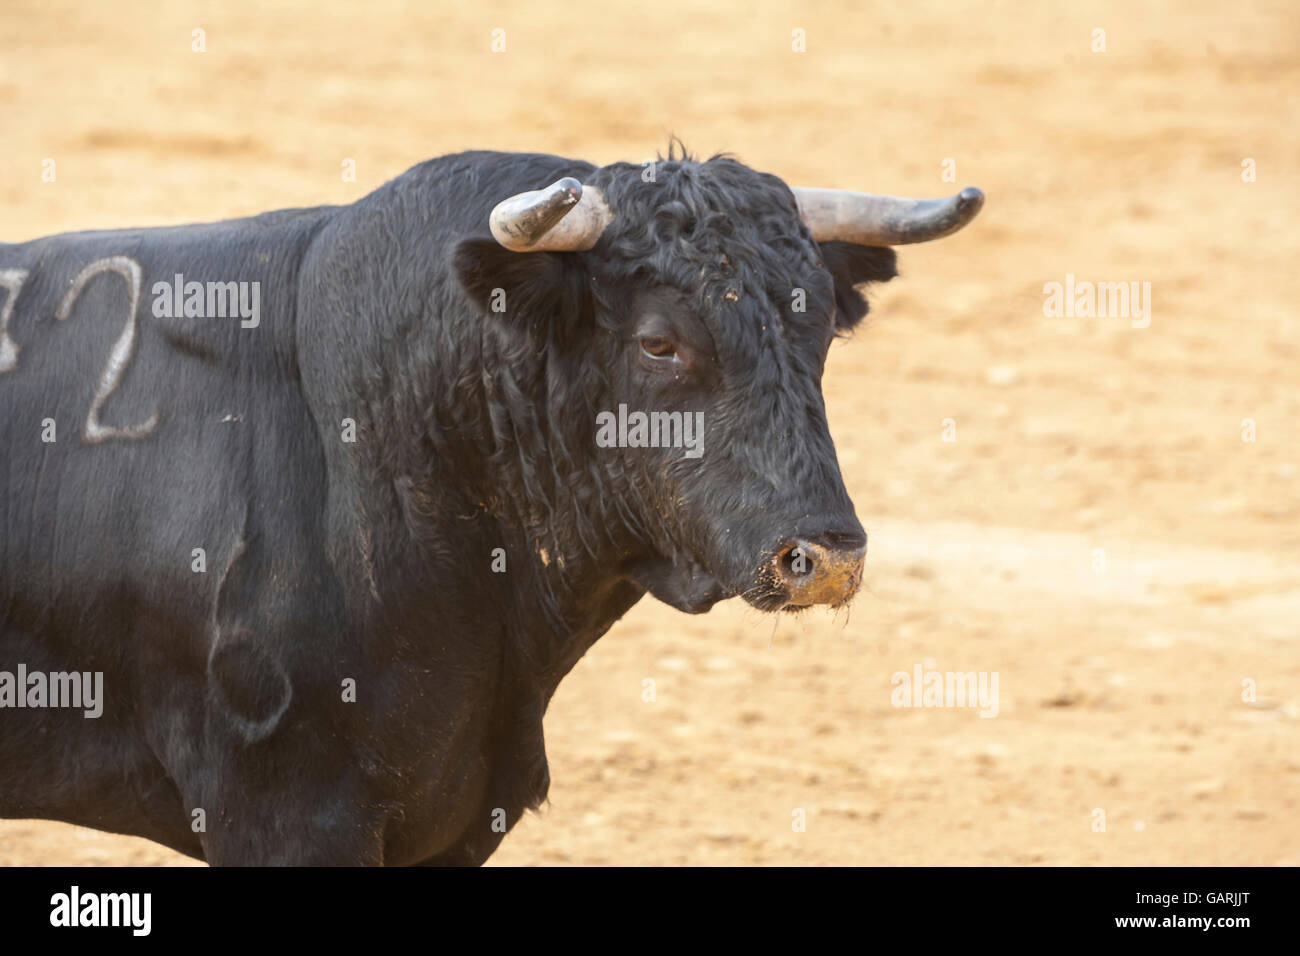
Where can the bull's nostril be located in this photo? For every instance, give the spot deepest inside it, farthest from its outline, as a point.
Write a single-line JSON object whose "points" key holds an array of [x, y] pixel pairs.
{"points": [[796, 562], [813, 573]]}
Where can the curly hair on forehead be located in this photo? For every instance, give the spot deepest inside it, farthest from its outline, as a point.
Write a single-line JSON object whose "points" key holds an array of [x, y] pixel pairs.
{"points": [[701, 225]]}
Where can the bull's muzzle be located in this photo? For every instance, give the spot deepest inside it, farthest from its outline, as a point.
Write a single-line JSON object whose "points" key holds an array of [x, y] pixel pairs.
{"points": [[819, 571]]}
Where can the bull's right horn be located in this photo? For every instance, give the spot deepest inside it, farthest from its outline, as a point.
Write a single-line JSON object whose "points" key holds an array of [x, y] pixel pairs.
{"points": [[563, 217], [842, 215]]}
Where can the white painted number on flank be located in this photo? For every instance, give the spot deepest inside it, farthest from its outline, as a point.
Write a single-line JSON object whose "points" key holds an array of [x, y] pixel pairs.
{"points": [[11, 279], [120, 356]]}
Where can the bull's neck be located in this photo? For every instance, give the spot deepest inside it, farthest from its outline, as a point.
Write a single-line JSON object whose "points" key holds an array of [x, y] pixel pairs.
{"points": [[479, 467]]}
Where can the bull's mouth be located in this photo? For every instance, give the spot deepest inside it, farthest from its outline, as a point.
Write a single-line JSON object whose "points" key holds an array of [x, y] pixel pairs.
{"points": [[793, 578], [771, 598], [693, 589], [688, 587]]}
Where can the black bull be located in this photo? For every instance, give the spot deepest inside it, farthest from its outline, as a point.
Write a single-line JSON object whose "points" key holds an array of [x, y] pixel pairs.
{"points": [[315, 500]]}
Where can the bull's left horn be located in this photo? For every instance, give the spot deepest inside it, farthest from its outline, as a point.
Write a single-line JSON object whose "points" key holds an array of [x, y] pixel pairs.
{"points": [[563, 217], [866, 220]]}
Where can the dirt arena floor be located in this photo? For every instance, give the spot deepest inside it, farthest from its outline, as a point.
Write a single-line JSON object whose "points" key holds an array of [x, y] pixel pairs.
{"points": [[1099, 534]]}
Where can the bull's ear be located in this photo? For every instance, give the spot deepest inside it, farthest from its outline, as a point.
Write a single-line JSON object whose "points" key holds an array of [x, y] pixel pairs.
{"points": [[520, 286], [852, 265]]}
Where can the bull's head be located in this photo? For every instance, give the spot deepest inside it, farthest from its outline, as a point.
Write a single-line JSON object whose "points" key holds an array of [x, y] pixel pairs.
{"points": [[712, 291]]}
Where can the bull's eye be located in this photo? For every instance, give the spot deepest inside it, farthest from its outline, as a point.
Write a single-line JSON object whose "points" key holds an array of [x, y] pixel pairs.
{"points": [[658, 348]]}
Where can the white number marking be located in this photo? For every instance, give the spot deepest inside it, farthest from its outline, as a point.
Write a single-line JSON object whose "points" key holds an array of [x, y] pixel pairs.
{"points": [[120, 356], [11, 279]]}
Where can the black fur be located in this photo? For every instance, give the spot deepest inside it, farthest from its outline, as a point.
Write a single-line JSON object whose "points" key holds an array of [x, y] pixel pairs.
{"points": [[331, 561]]}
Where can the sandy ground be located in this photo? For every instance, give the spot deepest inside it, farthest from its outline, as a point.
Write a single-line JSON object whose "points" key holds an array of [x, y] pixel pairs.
{"points": [[1120, 684]]}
